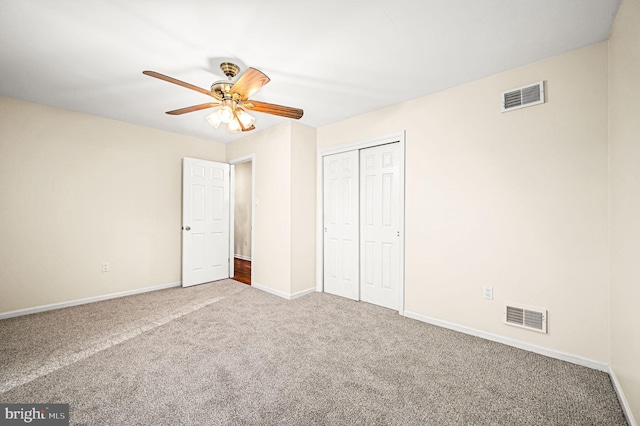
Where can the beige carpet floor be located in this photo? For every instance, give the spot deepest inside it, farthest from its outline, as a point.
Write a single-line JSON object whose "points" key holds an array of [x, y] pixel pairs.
{"points": [[226, 353]]}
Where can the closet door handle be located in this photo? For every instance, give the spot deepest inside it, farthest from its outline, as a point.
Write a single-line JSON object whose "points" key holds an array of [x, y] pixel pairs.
{"points": [[186, 228]]}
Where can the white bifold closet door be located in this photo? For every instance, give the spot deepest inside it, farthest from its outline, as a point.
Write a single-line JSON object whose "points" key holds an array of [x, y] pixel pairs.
{"points": [[362, 225]]}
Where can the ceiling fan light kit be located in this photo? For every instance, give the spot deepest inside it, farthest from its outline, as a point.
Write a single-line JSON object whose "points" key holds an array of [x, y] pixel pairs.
{"points": [[246, 119], [231, 99], [214, 119]]}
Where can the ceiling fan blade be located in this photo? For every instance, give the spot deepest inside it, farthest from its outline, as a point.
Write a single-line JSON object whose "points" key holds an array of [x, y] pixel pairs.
{"points": [[274, 109], [178, 82], [193, 108], [249, 83]]}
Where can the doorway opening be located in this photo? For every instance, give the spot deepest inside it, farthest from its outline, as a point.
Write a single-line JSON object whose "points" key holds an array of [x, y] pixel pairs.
{"points": [[242, 228]]}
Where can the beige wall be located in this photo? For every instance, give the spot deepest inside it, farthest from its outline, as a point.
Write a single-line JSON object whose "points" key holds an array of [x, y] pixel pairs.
{"points": [[283, 257], [77, 190], [242, 210], [517, 201], [303, 207], [624, 162], [271, 260]]}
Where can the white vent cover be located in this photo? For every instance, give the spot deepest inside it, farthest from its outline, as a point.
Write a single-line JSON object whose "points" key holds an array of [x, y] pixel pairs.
{"points": [[523, 97], [525, 317]]}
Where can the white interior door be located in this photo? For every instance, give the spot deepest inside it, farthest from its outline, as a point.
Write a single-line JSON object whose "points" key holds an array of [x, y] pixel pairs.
{"points": [[205, 221], [380, 225], [341, 228]]}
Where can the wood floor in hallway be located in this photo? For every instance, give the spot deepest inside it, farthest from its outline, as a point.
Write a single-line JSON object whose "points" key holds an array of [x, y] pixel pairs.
{"points": [[242, 270]]}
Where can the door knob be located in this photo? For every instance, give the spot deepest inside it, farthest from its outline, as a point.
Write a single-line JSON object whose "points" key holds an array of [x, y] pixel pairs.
{"points": [[187, 228]]}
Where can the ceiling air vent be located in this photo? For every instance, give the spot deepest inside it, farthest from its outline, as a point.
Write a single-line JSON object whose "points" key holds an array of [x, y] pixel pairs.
{"points": [[529, 318], [523, 97]]}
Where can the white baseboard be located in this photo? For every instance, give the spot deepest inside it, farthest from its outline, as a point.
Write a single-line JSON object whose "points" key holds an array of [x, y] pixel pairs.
{"points": [[288, 296], [552, 353], [302, 293], [239, 256], [76, 302], [623, 400], [270, 290]]}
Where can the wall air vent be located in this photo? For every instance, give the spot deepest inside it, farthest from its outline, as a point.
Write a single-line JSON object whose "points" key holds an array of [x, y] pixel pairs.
{"points": [[523, 97], [529, 318]]}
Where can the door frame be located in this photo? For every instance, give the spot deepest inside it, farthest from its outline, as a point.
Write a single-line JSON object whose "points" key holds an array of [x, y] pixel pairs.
{"points": [[399, 137], [232, 192]]}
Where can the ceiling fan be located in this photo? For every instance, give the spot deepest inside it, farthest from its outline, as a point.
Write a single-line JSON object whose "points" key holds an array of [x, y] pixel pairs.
{"points": [[232, 99]]}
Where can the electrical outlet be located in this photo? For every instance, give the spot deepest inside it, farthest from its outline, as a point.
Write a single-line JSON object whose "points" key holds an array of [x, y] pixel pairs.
{"points": [[106, 267], [487, 292]]}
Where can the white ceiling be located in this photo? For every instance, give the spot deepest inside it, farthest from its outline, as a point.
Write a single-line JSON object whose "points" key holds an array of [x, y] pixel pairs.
{"points": [[333, 58]]}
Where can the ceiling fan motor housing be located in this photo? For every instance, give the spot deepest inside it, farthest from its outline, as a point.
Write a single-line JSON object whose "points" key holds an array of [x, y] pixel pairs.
{"points": [[221, 89], [229, 69]]}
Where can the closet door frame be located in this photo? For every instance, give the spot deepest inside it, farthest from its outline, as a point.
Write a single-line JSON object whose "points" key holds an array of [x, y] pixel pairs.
{"points": [[382, 140]]}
